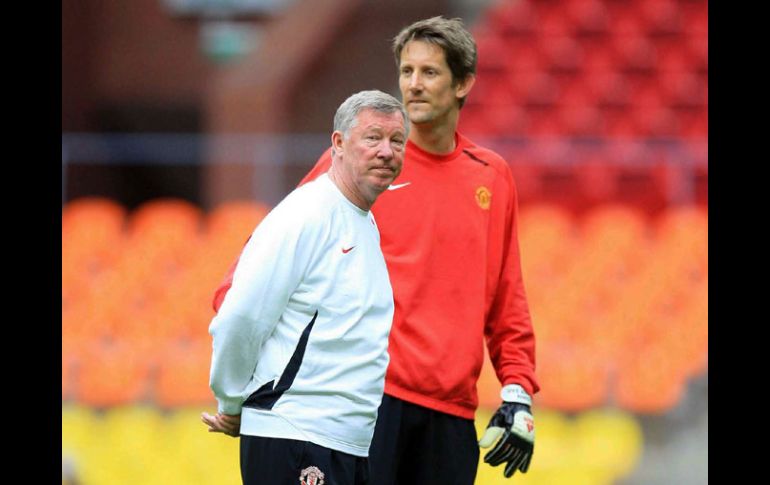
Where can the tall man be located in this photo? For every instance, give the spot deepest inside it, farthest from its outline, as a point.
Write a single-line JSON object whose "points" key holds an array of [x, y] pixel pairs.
{"points": [[449, 236], [300, 340]]}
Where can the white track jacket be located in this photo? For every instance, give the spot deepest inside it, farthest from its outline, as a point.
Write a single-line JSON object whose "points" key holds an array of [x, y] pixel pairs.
{"points": [[300, 342]]}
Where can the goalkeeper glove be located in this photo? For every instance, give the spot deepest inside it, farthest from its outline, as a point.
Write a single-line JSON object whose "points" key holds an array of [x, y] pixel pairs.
{"points": [[513, 424]]}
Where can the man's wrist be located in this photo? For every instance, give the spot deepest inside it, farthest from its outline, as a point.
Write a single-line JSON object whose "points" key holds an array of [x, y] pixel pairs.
{"points": [[515, 393]]}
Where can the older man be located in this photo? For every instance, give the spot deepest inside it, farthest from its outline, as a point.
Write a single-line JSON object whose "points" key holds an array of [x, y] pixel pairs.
{"points": [[300, 341]]}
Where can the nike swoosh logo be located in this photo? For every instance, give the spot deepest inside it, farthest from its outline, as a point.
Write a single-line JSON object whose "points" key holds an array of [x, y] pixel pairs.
{"points": [[346, 251], [398, 186]]}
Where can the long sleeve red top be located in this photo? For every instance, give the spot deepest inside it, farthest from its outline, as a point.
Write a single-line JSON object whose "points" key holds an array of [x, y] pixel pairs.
{"points": [[448, 229]]}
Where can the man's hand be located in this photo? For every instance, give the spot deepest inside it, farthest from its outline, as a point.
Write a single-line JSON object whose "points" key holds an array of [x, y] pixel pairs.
{"points": [[513, 429], [229, 424]]}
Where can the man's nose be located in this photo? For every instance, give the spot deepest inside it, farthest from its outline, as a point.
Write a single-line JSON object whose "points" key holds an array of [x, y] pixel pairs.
{"points": [[415, 82], [385, 151]]}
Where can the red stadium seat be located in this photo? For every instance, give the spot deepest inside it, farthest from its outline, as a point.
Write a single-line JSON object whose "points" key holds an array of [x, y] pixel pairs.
{"points": [[552, 21], [661, 17], [589, 17], [682, 89], [511, 18], [635, 53], [695, 17], [562, 54]]}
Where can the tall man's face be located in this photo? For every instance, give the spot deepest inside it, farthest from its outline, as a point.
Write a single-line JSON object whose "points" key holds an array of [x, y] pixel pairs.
{"points": [[426, 83]]}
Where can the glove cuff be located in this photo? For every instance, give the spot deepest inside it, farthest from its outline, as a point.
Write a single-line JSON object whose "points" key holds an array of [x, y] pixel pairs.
{"points": [[515, 393]]}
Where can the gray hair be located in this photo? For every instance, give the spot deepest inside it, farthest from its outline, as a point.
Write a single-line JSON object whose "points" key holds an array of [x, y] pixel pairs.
{"points": [[347, 113]]}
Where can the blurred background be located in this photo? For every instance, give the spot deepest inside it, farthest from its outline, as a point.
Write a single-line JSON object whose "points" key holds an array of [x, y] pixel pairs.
{"points": [[185, 121]]}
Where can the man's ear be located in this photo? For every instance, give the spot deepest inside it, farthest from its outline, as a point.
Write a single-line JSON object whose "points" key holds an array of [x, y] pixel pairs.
{"points": [[337, 142], [464, 86]]}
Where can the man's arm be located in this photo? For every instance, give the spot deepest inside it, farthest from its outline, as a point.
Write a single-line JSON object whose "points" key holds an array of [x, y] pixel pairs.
{"points": [[508, 329], [511, 343], [322, 166], [271, 267]]}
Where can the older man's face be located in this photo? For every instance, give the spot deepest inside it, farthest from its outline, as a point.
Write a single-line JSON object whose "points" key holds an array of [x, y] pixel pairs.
{"points": [[372, 153]]}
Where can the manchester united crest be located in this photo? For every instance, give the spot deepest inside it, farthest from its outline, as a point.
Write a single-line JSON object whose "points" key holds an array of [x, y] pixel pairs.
{"points": [[483, 197], [311, 476]]}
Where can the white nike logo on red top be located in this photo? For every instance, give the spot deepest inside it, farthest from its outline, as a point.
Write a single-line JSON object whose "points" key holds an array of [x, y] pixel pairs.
{"points": [[398, 186]]}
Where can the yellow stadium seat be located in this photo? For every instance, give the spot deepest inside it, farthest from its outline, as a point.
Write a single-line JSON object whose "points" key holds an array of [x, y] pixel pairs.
{"points": [[608, 440]]}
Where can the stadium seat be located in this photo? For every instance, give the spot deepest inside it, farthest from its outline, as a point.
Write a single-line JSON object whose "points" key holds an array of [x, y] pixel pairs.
{"points": [[131, 434], [183, 375], [614, 227], [608, 439], [92, 237], [681, 89], [81, 432], [167, 234], [573, 377], [635, 53], [580, 121], [608, 88], [198, 456], [547, 239], [647, 382], [95, 220], [561, 54], [589, 17], [625, 20], [598, 56], [552, 21], [112, 374], [510, 19], [492, 52], [695, 14], [661, 17], [228, 226]]}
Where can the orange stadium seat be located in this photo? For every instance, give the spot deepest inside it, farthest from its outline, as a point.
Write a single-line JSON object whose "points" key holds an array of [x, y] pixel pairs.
{"points": [[165, 237], [183, 376], [229, 225], [615, 245], [92, 236], [112, 374], [573, 378], [547, 241], [94, 220], [646, 383]]}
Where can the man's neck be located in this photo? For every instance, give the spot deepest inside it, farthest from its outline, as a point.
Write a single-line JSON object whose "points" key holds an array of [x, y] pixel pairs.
{"points": [[434, 138], [348, 191]]}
